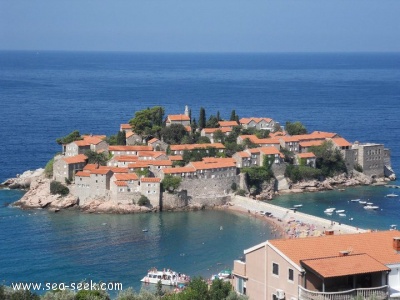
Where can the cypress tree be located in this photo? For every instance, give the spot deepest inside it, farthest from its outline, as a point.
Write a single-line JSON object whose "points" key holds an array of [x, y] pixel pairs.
{"points": [[202, 119]]}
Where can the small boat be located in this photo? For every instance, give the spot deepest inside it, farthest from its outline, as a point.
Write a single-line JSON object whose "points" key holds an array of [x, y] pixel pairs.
{"points": [[340, 211], [145, 230], [329, 210], [370, 203], [351, 219], [391, 195], [225, 275], [166, 277], [342, 215], [371, 207], [362, 202], [298, 205], [355, 200], [293, 208], [221, 228], [393, 227]]}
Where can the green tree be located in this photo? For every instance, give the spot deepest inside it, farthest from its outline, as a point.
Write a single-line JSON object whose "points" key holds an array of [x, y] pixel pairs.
{"points": [[219, 289], [96, 158], [72, 137], [171, 183], [295, 128], [233, 116], [143, 201], [57, 187], [203, 140], [194, 125], [249, 144], [212, 122], [92, 295], [262, 134], [202, 118], [121, 138], [148, 121], [218, 116], [256, 176], [173, 134], [219, 136], [59, 295], [198, 289], [159, 291], [329, 159]]}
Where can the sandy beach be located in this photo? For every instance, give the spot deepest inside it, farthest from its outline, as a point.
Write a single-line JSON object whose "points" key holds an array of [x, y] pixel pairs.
{"points": [[286, 223]]}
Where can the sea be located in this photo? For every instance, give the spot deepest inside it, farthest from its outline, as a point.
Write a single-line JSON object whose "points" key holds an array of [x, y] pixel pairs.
{"points": [[46, 95]]}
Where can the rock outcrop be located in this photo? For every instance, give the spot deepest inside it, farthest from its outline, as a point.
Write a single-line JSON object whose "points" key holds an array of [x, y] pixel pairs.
{"points": [[24, 180]]}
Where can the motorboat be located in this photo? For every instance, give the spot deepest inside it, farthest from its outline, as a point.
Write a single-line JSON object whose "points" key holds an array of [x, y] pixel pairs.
{"points": [[329, 210], [362, 202], [166, 277], [224, 275], [342, 215], [340, 211], [298, 205], [370, 203], [371, 207], [355, 200], [392, 195], [393, 227]]}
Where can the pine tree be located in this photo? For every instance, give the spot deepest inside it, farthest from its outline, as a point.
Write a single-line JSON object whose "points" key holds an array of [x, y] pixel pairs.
{"points": [[233, 116], [202, 118]]}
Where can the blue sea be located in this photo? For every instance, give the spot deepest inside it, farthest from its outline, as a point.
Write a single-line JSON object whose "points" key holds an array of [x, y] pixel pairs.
{"points": [[46, 95]]}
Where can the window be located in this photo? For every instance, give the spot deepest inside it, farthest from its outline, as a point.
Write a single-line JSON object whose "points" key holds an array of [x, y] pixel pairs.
{"points": [[275, 269], [291, 275]]}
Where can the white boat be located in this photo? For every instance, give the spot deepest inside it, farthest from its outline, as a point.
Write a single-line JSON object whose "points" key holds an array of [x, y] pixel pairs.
{"points": [[298, 205], [167, 277], [340, 211], [225, 275], [329, 210], [370, 203], [392, 195], [342, 215], [371, 207], [362, 202], [355, 200], [351, 219], [393, 227]]}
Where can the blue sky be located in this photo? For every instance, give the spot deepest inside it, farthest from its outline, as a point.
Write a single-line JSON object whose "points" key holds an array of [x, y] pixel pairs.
{"points": [[201, 25]]}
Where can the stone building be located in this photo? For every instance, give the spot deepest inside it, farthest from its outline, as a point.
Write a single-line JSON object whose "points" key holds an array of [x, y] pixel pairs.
{"points": [[258, 123], [94, 143], [66, 167], [371, 158]]}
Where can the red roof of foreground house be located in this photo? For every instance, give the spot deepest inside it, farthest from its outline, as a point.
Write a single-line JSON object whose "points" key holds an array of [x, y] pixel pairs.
{"points": [[311, 143], [175, 157], [126, 176], [243, 154], [90, 140], [80, 158], [269, 150], [120, 183], [178, 118], [150, 179], [126, 126], [100, 171], [196, 146], [328, 267], [178, 170], [82, 174], [378, 245]]}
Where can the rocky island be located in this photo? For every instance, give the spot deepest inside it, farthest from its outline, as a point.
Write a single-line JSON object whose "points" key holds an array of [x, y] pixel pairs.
{"points": [[175, 163]]}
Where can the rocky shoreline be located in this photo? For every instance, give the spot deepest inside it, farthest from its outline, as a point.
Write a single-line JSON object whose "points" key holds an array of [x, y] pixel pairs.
{"points": [[38, 193]]}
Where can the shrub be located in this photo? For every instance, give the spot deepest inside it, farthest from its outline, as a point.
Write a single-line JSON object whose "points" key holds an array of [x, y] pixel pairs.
{"points": [[233, 186], [241, 192], [298, 173], [358, 168], [57, 187], [143, 201], [48, 170], [92, 294], [171, 183]]}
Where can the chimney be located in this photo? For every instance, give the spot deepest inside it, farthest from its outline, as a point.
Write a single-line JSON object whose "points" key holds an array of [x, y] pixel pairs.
{"points": [[344, 253], [396, 243]]}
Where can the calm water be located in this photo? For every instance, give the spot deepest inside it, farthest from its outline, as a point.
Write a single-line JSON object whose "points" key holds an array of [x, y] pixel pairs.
{"points": [[46, 95]]}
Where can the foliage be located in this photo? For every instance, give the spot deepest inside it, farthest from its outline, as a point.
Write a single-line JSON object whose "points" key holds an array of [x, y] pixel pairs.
{"points": [[288, 155], [232, 147], [11, 294], [197, 289], [194, 125], [329, 159], [233, 117], [159, 291], [129, 294], [262, 134], [277, 127], [212, 122], [96, 158], [121, 138], [148, 121], [219, 136], [295, 128], [219, 289], [73, 136], [59, 295], [256, 176], [178, 163], [171, 183], [92, 295], [142, 173], [143, 201], [358, 167], [234, 296], [48, 170], [173, 134], [249, 144], [233, 186], [57, 187], [298, 173], [203, 140], [202, 118]]}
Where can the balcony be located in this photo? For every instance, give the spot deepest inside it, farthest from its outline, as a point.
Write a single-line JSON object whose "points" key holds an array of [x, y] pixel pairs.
{"points": [[376, 293]]}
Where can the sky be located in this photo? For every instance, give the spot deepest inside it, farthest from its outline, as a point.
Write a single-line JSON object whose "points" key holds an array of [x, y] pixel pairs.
{"points": [[201, 25]]}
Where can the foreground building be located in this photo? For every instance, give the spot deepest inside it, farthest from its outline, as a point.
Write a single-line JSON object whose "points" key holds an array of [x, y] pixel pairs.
{"points": [[347, 266]]}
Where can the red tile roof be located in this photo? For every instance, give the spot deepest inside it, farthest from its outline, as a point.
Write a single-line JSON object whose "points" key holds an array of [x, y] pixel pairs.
{"points": [[256, 120], [82, 174], [269, 150], [288, 139], [228, 123], [153, 154], [150, 179], [153, 140], [336, 266], [126, 158], [77, 159], [213, 130], [196, 146], [90, 167], [243, 154], [125, 126], [202, 165], [126, 177], [178, 118], [341, 142], [378, 245], [175, 157], [139, 164], [311, 143], [306, 155], [120, 183], [178, 170], [100, 171]]}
